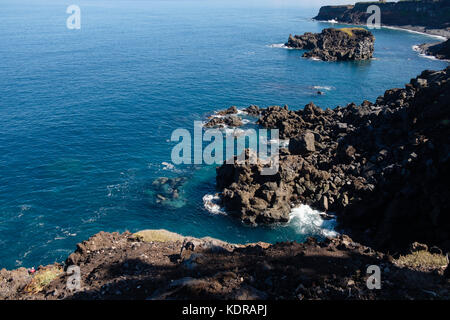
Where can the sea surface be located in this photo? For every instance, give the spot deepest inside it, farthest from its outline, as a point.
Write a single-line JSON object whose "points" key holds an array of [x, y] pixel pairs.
{"points": [[87, 115]]}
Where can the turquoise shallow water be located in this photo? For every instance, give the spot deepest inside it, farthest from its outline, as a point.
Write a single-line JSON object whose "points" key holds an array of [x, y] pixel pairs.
{"points": [[86, 115]]}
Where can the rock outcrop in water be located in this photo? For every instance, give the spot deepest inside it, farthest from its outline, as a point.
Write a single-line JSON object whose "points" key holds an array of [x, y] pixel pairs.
{"points": [[157, 264], [439, 50], [223, 122], [224, 118], [383, 167], [425, 16], [335, 44]]}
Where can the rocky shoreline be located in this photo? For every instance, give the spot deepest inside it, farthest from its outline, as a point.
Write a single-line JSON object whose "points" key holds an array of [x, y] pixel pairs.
{"points": [[335, 44], [159, 265], [379, 166], [439, 50]]}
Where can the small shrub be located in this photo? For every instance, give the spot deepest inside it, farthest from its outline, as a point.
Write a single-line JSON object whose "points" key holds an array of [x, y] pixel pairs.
{"points": [[349, 31], [423, 259], [42, 278]]}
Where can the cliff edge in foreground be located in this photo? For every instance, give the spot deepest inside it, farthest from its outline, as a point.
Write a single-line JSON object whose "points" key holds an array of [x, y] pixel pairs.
{"points": [[157, 264]]}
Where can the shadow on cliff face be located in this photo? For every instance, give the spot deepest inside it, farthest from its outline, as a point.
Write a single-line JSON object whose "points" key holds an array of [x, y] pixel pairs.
{"points": [[410, 201], [336, 269]]}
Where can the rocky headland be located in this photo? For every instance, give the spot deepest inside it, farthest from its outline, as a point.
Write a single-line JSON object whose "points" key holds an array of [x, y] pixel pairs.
{"points": [[429, 16], [335, 44], [381, 167], [157, 264]]}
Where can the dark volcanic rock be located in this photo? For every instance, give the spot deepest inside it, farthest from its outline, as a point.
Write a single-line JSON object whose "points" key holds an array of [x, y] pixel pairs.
{"points": [[251, 196], [335, 44], [430, 16], [381, 167], [252, 110], [302, 144], [230, 110], [224, 118], [440, 50], [221, 122]]}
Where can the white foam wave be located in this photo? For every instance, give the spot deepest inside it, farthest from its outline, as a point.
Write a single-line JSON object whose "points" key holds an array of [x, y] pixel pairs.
{"points": [[284, 143], [237, 132], [306, 220], [328, 88], [167, 166], [279, 45], [212, 204]]}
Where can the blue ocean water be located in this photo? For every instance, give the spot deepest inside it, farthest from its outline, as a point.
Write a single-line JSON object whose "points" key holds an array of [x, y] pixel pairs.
{"points": [[86, 115]]}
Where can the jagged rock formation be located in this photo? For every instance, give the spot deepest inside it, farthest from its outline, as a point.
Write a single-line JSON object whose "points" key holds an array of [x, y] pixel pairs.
{"points": [[382, 167], [252, 110], [335, 44], [439, 50], [156, 264], [426, 15]]}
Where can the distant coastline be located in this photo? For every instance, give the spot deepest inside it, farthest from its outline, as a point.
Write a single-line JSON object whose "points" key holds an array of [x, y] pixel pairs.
{"points": [[426, 17], [438, 34]]}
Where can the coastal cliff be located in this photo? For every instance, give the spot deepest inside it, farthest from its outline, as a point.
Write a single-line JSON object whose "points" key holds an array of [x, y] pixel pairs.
{"points": [[157, 265], [335, 44], [426, 15], [381, 167]]}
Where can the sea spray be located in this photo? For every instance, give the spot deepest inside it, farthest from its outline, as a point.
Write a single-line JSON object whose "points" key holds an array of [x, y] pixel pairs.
{"points": [[308, 221], [212, 204], [303, 219]]}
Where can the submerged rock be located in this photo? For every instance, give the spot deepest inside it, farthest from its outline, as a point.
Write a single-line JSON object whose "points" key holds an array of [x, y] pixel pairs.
{"points": [[166, 189], [335, 44]]}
